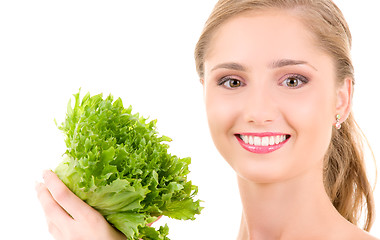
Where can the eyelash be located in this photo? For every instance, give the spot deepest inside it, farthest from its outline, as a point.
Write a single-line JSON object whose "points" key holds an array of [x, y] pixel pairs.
{"points": [[300, 78], [226, 79]]}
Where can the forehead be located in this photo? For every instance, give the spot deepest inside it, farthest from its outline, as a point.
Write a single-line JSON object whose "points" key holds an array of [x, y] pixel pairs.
{"points": [[266, 35]]}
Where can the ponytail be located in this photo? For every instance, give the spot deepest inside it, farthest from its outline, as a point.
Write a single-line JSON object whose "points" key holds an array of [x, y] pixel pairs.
{"points": [[345, 178]]}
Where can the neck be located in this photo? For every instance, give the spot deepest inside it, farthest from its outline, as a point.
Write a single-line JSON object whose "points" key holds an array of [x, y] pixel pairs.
{"points": [[285, 210]]}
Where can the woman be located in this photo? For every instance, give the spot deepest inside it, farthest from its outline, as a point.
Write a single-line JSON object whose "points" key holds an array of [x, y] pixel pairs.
{"points": [[278, 82]]}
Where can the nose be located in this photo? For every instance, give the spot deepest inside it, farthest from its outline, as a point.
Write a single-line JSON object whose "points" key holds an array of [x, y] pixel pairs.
{"points": [[260, 106]]}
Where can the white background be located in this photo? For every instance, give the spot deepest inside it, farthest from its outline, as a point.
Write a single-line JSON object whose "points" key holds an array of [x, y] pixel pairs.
{"points": [[141, 51]]}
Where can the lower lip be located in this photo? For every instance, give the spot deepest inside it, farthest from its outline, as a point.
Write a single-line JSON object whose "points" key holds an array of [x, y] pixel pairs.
{"points": [[260, 149]]}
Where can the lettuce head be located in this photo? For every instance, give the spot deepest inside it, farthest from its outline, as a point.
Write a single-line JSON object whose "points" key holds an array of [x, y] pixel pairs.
{"points": [[117, 163]]}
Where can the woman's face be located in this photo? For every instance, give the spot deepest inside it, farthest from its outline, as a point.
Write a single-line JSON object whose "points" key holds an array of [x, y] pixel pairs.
{"points": [[270, 96]]}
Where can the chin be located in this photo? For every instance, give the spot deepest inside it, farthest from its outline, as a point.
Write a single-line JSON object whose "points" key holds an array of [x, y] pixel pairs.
{"points": [[262, 171]]}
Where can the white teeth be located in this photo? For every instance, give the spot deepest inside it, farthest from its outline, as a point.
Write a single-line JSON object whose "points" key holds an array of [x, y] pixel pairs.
{"points": [[271, 140], [256, 141], [277, 141], [244, 138], [263, 141]]}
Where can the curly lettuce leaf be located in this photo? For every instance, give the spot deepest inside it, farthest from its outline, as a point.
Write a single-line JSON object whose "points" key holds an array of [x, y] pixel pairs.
{"points": [[117, 163]]}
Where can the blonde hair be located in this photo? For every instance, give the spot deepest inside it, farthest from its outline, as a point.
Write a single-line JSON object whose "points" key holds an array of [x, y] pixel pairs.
{"points": [[345, 178]]}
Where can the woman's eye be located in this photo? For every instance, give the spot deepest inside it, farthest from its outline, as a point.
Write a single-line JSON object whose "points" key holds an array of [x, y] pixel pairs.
{"points": [[294, 81], [230, 83]]}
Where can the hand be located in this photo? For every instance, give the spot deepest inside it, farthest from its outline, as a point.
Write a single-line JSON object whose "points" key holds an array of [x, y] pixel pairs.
{"points": [[68, 217]]}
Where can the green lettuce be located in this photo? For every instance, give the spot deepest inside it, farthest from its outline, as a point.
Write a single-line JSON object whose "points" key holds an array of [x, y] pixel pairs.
{"points": [[117, 163]]}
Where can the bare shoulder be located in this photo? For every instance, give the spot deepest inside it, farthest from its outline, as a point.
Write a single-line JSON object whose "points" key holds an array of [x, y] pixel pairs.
{"points": [[365, 236], [357, 234], [351, 232]]}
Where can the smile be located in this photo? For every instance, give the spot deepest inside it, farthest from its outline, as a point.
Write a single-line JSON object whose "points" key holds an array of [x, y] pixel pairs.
{"points": [[262, 142]]}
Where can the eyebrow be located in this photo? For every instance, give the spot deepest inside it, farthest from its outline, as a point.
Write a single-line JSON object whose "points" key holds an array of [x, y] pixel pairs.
{"points": [[230, 65], [276, 64], [290, 62]]}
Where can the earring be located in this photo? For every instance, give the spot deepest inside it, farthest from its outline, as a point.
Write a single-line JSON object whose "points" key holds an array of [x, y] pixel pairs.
{"points": [[337, 124]]}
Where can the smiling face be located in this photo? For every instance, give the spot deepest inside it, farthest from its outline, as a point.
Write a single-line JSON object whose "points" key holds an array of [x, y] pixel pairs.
{"points": [[270, 96]]}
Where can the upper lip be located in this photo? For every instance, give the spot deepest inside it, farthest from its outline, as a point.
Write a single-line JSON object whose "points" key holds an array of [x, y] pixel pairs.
{"points": [[262, 134]]}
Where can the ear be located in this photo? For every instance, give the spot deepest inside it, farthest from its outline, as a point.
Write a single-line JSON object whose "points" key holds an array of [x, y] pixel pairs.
{"points": [[204, 88], [343, 100]]}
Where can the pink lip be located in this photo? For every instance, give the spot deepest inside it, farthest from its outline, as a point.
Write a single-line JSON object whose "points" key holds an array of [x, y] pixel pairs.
{"points": [[260, 149], [263, 134]]}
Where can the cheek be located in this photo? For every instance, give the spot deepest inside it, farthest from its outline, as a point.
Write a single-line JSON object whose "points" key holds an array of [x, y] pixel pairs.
{"points": [[312, 123], [221, 114], [216, 114]]}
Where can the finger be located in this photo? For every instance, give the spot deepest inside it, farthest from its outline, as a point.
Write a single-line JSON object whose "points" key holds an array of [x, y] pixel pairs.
{"points": [[150, 224], [77, 208], [55, 214], [55, 231]]}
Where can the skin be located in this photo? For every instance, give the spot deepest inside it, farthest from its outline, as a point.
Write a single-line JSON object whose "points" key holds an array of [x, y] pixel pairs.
{"points": [[250, 87], [67, 216], [282, 192]]}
